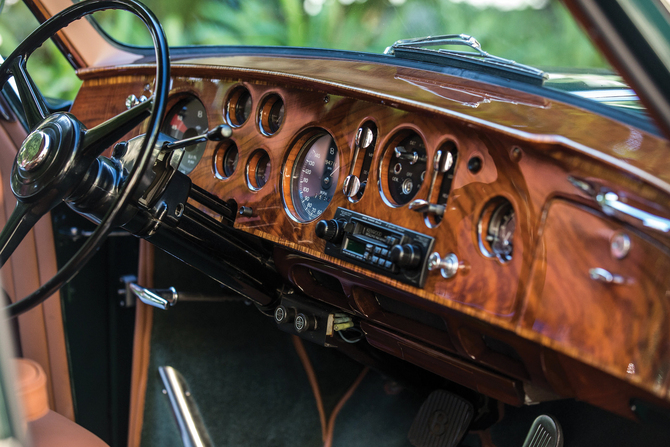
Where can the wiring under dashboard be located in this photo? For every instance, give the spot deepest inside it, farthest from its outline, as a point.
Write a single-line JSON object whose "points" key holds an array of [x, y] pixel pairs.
{"points": [[327, 427]]}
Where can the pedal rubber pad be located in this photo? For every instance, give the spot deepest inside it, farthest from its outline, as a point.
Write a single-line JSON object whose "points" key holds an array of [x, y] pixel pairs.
{"points": [[441, 421], [545, 432]]}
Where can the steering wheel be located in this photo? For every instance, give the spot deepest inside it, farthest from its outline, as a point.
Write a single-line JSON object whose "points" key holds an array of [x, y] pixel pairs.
{"points": [[56, 155]]}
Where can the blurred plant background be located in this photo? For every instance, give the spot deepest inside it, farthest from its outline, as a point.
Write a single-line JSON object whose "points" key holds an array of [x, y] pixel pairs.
{"points": [[535, 32]]}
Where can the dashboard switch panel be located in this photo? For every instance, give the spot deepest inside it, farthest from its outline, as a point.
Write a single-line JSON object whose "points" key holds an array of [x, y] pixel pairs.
{"points": [[380, 246]]}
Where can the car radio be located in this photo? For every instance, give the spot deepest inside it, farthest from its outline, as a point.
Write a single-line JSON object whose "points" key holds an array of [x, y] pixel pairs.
{"points": [[380, 246]]}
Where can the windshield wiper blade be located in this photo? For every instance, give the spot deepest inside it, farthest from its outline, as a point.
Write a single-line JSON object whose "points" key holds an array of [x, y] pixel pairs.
{"points": [[476, 58]]}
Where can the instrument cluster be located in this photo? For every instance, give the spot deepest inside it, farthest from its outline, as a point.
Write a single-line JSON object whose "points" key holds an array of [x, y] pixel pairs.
{"points": [[311, 172], [302, 158]]}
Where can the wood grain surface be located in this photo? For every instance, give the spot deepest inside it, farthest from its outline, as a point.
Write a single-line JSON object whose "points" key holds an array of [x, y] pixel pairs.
{"points": [[542, 303]]}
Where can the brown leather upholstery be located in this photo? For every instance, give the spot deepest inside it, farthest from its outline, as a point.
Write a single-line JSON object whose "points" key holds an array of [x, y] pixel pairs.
{"points": [[54, 430], [41, 332], [45, 427], [31, 389]]}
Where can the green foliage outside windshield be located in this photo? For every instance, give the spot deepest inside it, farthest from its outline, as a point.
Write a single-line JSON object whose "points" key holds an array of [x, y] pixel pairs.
{"points": [[545, 37]]}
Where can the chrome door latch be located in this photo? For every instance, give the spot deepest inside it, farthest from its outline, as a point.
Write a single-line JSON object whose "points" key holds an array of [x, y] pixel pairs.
{"points": [[160, 298]]}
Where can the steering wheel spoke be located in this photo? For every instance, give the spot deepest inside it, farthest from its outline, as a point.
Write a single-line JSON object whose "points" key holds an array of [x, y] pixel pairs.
{"points": [[34, 104], [20, 222], [100, 137], [59, 153]]}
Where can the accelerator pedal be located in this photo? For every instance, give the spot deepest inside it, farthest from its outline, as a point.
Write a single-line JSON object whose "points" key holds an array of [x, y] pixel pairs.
{"points": [[545, 432], [441, 421]]}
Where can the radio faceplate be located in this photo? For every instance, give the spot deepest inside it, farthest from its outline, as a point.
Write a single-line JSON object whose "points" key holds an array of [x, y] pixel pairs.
{"points": [[380, 246]]}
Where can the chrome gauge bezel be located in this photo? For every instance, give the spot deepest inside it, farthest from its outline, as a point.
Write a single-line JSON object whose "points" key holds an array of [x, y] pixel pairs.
{"points": [[257, 162], [295, 158], [489, 225], [186, 102], [385, 165], [236, 96], [264, 114], [220, 160]]}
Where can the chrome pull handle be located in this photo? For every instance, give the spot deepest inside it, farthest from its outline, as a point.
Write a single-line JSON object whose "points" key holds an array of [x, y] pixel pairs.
{"points": [[611, 205], [161, 299], [602, 275]]}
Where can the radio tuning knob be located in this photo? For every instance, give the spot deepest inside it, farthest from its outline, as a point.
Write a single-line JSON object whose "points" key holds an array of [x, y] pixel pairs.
{"points": [[406, 255], [330, 230]]}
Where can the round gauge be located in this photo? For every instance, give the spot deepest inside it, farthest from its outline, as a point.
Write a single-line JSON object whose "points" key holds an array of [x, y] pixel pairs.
{"points": [[188, 118], [259, 169], [500, 231], [314, 177], [238, 107], [271, 114], [230, 159], [225, 159], [263, 170], [406, 169], [496, 229]]}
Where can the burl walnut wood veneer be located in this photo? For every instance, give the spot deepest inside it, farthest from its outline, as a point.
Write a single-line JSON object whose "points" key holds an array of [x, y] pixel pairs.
{"points": [[566, 329]]}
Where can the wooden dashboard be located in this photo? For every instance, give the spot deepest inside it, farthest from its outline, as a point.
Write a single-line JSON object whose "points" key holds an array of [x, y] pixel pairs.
{"points": [[537, 325]]}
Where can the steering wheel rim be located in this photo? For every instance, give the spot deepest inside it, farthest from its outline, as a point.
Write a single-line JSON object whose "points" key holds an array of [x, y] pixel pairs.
{"points": [[88, 144]]}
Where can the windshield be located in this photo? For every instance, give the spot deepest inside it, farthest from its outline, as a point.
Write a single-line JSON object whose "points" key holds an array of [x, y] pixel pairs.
{"points": [[541, 33]]}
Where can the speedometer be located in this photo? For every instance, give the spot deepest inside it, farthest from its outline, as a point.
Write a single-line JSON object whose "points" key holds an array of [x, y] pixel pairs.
{"points": [[314, 177], [188, 118]]}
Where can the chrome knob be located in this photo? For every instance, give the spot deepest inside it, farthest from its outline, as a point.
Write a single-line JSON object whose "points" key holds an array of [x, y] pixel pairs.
{"points": [[132, 101], [364, 137], [448, 265], [351, 186]]}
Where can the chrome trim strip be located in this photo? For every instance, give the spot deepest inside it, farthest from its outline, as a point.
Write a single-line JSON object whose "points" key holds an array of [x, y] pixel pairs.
{"points": [[191, 426]]}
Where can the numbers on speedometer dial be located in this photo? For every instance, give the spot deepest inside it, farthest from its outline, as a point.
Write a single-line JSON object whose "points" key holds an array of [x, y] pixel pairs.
{"points": [[315, 175]]}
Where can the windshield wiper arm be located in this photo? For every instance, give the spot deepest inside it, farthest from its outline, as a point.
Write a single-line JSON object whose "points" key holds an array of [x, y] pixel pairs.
{"points": [[416, 49]]}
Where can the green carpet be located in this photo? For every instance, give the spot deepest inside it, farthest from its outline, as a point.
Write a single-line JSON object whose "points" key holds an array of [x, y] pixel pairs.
{"points": [[252, 390]]}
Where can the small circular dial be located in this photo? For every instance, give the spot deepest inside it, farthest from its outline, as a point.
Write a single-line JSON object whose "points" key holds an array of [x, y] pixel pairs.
{"points": [[230, 159], [259, 169], [271, 114], [263, 170], [407, 168], [315, 175], [238, 107], [500, 231], [226, 157], [188, 118]]}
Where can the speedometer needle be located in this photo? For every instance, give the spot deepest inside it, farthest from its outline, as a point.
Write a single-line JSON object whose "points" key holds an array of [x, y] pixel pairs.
{"points": [[333, 171]]}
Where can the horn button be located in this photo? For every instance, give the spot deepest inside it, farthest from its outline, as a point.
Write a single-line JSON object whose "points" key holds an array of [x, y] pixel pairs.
{"points": [[34, 150], [47, 158]]}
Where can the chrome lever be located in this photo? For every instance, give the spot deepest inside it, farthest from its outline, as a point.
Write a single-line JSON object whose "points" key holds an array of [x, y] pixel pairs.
{"points": [[423, 206], [160, 298]]}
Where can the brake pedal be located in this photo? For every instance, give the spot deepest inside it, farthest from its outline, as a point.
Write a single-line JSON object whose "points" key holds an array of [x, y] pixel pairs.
{"points": [[545, 432], [441, 421]]}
